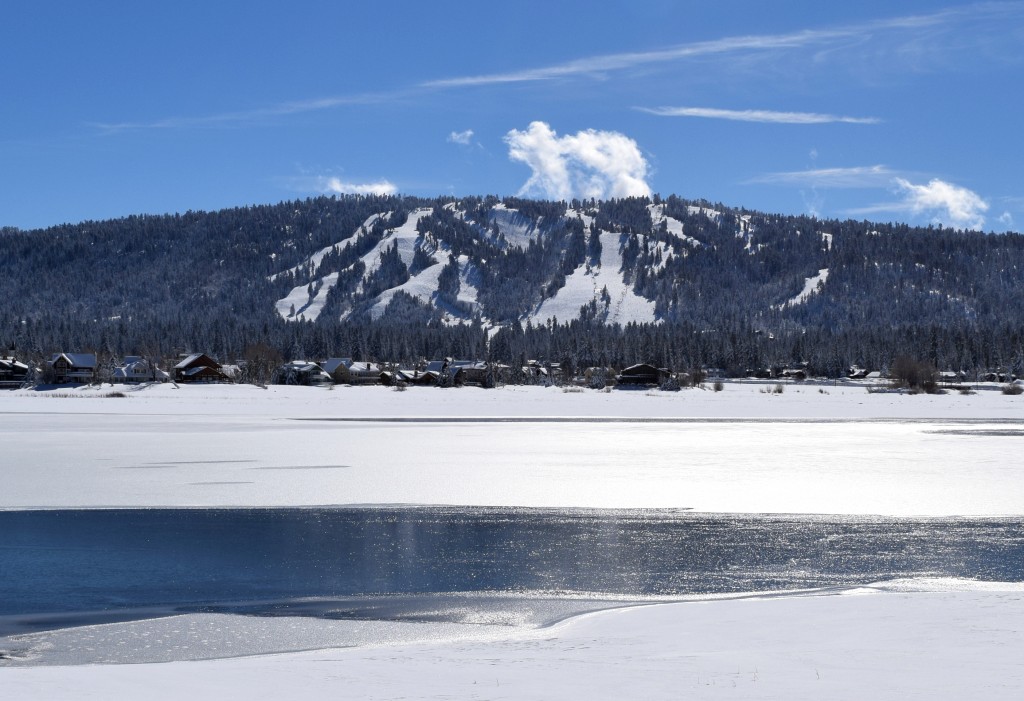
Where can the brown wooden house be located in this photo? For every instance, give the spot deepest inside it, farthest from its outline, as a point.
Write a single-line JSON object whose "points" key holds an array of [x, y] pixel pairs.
{"points": [[199, 367], [73, 368]]}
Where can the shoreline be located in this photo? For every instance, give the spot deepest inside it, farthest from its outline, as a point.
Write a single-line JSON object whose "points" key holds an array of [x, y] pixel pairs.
{"points": [[945, 639]]}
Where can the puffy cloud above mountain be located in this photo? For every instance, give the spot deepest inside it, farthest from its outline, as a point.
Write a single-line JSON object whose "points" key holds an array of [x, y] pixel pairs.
{"points": [[590, 163]]}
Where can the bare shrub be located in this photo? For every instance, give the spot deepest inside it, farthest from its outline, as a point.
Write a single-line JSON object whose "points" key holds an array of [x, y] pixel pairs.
{"points": [[1013, 389], [718, 386], [916, 375]]}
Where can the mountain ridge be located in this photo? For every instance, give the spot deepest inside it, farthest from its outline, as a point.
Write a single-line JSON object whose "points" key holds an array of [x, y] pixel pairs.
{"points": [[481, 267]]}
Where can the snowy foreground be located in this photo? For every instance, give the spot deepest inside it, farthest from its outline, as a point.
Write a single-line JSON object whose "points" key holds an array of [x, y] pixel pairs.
{"points": [[901, 640], [828, 449]]}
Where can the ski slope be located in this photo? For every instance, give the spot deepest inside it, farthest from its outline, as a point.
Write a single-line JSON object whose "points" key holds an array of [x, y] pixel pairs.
{"points": [[586, 285]]}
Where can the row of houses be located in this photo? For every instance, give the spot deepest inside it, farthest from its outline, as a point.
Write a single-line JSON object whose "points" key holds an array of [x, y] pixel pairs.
{"points": [[84, 368]]}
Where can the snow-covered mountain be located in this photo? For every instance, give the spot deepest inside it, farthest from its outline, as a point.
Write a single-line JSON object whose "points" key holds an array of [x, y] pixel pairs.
{"points": [[490, 263]]}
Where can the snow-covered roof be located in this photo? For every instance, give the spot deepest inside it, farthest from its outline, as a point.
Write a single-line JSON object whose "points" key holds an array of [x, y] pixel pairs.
{"points": [[331, 365], [303, 366], [11, 364], [188, 361], [78, 360]]}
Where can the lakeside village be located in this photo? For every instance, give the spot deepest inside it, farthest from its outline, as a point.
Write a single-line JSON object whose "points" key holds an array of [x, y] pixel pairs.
{"points": [[63, 369]]}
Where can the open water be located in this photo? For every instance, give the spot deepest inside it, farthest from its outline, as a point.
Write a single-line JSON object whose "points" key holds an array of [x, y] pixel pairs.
{"points": [[65, 570]]}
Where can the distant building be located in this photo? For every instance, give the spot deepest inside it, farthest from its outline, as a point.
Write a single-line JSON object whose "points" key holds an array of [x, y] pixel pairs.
{"points": [[135, 369], [73, 368], [346, 371], [301, 372], [199, 367], [13, 373], [642, 374]]}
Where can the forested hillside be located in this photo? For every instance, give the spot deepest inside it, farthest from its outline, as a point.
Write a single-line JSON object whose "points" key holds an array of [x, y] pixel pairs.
{"points": [[671, 281]]}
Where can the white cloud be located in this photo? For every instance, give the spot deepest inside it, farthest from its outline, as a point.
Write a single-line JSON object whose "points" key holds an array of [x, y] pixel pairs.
{"points": [[762, 116], [922, 32], [590, 163], [944, 203], [947, 203], [1006, 219], [461, 137], [857, 176], [334, 185]]}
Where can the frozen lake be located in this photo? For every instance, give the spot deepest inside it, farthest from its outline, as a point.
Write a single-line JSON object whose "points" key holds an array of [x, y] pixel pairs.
{"points": [[417, 543]]}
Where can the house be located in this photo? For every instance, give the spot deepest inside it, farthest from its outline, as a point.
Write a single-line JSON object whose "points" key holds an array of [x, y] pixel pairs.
{"points": [[349, 372], [199, 367], [642, 374], [73, 368], [301, 372], [135, 369], [392, 378], [952, 377], [12, 372]]}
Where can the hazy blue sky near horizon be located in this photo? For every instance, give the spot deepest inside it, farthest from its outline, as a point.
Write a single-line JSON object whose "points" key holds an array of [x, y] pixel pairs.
{"points": [[885, 111]]}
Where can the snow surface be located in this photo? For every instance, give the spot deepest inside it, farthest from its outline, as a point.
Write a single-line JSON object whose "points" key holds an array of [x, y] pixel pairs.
{"points": [[307, 307], [674, 226], [517, 446], [517, 228], [812, 449], [585, 286], [314, 260], [812, 285], [916, 640]]}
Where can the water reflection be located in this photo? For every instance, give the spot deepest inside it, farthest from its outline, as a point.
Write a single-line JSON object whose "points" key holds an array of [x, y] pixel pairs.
{"points": [[101, 562]]}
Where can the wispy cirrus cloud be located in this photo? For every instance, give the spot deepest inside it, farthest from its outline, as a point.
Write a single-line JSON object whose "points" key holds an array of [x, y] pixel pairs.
{"points": [[915, 35], [762, 116], [221, 119], [853, 177], [824, 38]]}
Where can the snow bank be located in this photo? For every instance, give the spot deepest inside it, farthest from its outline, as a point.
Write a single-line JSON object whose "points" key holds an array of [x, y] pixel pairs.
{"points": [[932, 645]]}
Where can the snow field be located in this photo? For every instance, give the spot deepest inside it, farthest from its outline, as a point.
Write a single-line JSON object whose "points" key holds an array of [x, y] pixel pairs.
{"points": [[516, 446], [950, 641]]}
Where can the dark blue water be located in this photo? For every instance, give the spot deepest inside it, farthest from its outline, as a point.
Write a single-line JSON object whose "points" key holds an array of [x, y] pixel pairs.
{"points": [[105, 561]]}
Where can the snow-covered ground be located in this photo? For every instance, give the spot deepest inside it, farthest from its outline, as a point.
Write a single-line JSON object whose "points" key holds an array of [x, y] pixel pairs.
{"points": [[728, 451], [812, 285], [900, 640], [811, 449], [586, 285]]}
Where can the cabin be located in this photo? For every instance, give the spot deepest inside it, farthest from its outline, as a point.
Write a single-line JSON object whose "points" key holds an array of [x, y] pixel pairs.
{"points": [[642, 374], [301, 372], [13, 373], [136, 369], [346, 371], [952, 377], [199, 367], [73, 368]]}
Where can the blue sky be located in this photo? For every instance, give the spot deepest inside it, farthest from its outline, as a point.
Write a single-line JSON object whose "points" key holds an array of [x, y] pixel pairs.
{"points": [[907, 111]]}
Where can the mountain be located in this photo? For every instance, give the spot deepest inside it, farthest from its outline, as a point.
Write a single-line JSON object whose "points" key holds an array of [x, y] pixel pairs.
{"points": [[483, 274]]}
